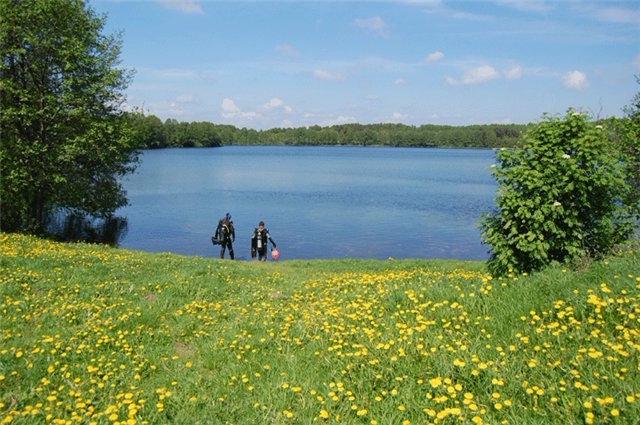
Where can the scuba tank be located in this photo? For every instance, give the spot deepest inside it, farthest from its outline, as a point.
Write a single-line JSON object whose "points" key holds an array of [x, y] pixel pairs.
{"points": [[259, 238]]}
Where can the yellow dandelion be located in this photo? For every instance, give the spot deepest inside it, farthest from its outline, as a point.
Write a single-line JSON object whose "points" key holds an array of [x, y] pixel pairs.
{"points": [[459, 363], [604, 400], [588, 417]]}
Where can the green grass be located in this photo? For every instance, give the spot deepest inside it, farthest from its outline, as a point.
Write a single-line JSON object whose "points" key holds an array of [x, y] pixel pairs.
{"points": [[92, 334]]}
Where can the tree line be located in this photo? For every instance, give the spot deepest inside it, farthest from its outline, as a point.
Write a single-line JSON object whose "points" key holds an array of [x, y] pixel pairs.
{"points": [[152, 133]]}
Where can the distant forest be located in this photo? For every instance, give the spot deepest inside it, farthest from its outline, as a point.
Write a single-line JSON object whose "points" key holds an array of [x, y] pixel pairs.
{"points": [[152, 133]]}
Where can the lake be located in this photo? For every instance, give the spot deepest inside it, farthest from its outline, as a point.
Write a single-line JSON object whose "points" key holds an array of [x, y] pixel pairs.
{"points": [[317, 202]]}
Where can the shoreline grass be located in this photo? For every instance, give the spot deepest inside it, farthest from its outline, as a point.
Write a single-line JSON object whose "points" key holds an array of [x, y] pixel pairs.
{"points": [[93, 334]]}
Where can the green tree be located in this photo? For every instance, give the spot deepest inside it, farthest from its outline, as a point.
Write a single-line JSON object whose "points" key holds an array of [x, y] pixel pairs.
{"points": [[65, 139], [149, 131], [560, 198], [629, 139]]}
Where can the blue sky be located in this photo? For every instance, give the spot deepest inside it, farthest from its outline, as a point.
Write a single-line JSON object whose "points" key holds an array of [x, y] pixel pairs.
{"points": [[265, 64]]}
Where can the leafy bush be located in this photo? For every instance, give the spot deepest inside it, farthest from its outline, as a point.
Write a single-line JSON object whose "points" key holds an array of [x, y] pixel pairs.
{"points": [[560, 198]]}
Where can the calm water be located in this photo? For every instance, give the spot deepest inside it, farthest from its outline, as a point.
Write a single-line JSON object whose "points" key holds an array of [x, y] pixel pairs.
{"points": [[318, 202]]}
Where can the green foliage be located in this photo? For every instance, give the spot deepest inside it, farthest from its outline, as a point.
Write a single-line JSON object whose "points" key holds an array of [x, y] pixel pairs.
{"points": [[561, 197], [153, 134], [627, 135], [64, 139]]}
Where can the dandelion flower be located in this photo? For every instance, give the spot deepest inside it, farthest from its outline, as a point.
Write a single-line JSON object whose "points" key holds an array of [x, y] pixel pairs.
{"points": [[459, 363], [588, 417]]}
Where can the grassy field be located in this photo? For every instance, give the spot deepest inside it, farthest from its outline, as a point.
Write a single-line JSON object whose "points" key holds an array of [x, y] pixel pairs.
{"points": [[92, 334]]}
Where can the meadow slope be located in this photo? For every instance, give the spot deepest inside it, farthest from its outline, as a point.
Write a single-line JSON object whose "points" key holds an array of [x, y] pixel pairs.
{"points": [[97, 335]]}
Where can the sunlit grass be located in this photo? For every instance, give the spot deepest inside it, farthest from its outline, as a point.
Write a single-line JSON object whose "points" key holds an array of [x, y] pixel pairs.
{"points": [[92, 334]]}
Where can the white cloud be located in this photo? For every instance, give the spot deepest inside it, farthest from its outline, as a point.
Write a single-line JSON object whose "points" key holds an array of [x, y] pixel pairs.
{"points": [[619, 15], [513, 73], [327, 75], [341, 119], [273, 112], [231, 111], [528, 5], [400, 81], [429, 3], [576, 80], [449, 10], [229, 106], [374, 24], [398, 116], [287, 49], [185, 98], [186, 6], [276, 103], [435, 56], [478, 75], [177, 73]]}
